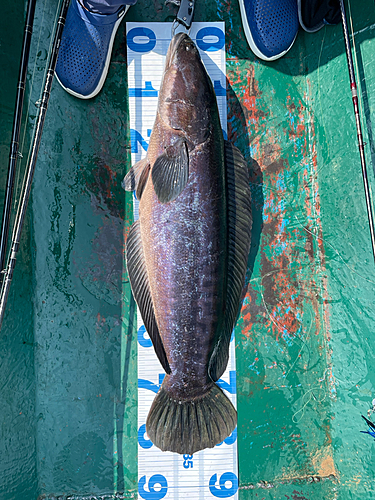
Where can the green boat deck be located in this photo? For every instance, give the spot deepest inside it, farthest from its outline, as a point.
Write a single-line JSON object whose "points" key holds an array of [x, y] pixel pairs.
{"points": [[305, 339]]}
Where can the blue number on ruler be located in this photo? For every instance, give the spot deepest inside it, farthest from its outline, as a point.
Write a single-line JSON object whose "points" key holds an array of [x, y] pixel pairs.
{"points": [[147, 384], [218, 88], [209, 46], [231, 387], [222, 491], [144, 443], [188, 462], [141, 32], [135, 138], [141, 339], [202, 41], [230, 439], [148, 91], [152, 494]]}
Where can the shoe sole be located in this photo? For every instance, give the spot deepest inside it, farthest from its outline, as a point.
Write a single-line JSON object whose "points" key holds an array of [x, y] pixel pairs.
{"points": [[106, 65], [251, 42]]}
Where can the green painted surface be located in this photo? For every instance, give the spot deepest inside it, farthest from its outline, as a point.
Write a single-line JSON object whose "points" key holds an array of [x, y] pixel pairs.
{"points": [[305, 368], [86, 356], [18, 475], [304, 345], [349, 262]]}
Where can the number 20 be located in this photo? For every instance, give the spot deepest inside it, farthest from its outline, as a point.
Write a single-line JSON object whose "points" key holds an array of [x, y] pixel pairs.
{"points": [[187, 463]]}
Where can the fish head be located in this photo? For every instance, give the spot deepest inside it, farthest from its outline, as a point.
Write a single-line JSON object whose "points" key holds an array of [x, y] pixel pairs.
{"points": [[186, 96]]}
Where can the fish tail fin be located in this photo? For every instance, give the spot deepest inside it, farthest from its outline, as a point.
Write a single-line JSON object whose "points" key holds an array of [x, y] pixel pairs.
{"points": [[186, 427]]}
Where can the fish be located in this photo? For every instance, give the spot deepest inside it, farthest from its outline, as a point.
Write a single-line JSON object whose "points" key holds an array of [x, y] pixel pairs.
{"points": [[187, 253]]}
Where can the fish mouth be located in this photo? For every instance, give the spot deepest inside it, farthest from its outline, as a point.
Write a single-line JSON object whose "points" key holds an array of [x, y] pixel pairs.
{"points": [[179, 42]]}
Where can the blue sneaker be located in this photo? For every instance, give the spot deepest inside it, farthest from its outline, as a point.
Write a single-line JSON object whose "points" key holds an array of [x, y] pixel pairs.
{"points": [[270, 26], [86, 48]]}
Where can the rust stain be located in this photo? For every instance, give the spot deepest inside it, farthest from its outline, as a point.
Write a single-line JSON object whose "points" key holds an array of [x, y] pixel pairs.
{"points": [[323, 462], [289, 302]]}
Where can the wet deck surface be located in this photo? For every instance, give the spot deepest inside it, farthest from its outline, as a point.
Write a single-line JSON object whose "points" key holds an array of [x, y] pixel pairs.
{"points": [[304, 341]]}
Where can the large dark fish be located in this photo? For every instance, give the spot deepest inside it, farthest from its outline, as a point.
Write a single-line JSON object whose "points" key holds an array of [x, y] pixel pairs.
{"points": [[187, 253]]}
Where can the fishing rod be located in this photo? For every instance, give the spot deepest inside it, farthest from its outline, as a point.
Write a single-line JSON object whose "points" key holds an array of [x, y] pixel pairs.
{"points": [[361, 145], [14, 145], [16, 237]]}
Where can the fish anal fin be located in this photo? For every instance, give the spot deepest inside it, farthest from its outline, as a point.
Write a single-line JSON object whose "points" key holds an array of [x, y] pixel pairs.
{"points": [[170, 172], [132, 178], [239, 240], [140, 286]]}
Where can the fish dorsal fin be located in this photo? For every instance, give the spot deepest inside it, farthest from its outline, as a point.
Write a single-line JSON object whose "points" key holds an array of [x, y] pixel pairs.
{"points": [[140, 286], [132, 178], [239, 239], [171, 171]]}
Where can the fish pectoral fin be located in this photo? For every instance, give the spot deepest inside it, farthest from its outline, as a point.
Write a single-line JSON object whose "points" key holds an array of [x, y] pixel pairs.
{"points": [[132, 178], [170, 172], [136, 265], [142, 181], [239, 240]]}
